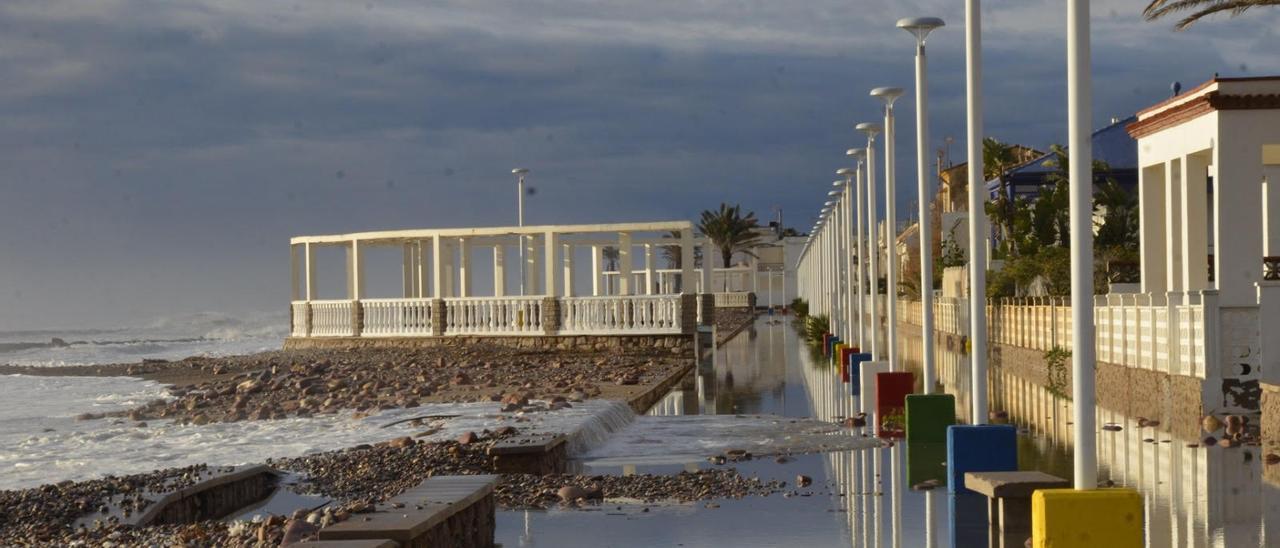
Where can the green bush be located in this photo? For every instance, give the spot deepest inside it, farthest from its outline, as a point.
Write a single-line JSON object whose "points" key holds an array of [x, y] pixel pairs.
{"points": [[800, 307]]}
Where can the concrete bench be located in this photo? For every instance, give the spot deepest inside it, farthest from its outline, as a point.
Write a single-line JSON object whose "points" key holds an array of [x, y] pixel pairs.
{"points": [[1009, 496], [539, 454], [442, 511]]}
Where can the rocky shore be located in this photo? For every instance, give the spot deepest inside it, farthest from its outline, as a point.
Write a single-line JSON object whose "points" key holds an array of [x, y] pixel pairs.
{"points": [[356, 478], [302, 383]]}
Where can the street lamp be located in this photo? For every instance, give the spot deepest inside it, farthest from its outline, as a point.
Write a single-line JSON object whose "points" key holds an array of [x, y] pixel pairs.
{"points": [[871, 129], [888, 96], [1079, 128], [520, 172], [977, 213], [857, 270], [920, 27]]}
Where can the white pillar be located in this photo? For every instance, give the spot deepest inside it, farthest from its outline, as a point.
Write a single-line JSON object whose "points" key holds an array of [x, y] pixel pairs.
{"points": [[686, 262], [551, 243], [977, 213], [648, 269], [860, 250], [925, 232], [407, 279], [890, 239], [1195, 231], [1173, 221], [624, 263], [295, 271], [1271, 210], [1080, 126], [310, 272], [437, 268], [595, 271], [499, 270], [708, 258], [1151, 230], [567, 250], [873, 246], [447, 257], [355, 268]]}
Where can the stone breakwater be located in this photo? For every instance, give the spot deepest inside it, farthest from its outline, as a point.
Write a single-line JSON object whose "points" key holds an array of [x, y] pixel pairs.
{"points": [[356, 478], [304, 383]]}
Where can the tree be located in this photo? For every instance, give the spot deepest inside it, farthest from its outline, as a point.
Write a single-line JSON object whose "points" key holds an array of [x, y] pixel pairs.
{"points": [[1200, 9], [671, 252], [730, 231], [611, 256], [997, 159]]}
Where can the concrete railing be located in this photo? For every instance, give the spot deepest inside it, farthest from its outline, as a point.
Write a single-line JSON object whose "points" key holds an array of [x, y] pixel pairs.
{"points": [[493, 315], [620, 315], [1164, 332], [396, 317], [331, 319], [737, 299]]}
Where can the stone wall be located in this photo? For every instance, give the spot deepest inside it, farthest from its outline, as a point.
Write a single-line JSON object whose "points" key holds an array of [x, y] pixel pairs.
{"points": [[1271, 424]]}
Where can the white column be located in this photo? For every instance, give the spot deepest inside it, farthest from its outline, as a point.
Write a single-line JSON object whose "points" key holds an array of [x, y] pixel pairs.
{"points": [[648, 269], [925, 233], [624, 263], [567, 250], [407, 279], [860, 250], [890, 240], [550, 244], [595, 271], [437, 268], [295, 271], [1195, 230], [310, 272], [686, 262], [708, 260], [1080, 126], [355, 267], [1271, 210], [499, 270], [1151, 230], [464, 268], [873, 248], [1173, 221], [978, 230], [447, 257]]}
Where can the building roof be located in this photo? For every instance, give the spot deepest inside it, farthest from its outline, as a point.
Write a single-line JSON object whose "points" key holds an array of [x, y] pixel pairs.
{"points": [[1111, 144]]}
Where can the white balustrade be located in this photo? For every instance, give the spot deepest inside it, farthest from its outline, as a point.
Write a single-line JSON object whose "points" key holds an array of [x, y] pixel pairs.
{"points": [[737, 299], [298, 319], [331, 319], [493, 316], [620, 315], [396, 317]]}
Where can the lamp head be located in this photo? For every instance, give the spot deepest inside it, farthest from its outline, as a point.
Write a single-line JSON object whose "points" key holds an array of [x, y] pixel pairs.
{"points": [[920, 27], [828, 203], [888, 95], [856, 153], [845, 171], [870, 128], [838, 183], [520, 171], [835, 192]]}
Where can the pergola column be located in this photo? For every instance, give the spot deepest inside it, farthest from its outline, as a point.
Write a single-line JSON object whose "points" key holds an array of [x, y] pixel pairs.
{"points": [[499, 270], [595, 271], [708, 258], [1271, 210], [420, 254], [447, 258], [686, 262], [567, 250], [309, 270], [355, 267], [550, 242], [648, 269], [1195, 233], [1151, 198], [437, 268], [1173, 224], [624, 263], [1237, 196], [295, 269], [407, 277], [464, 268]]}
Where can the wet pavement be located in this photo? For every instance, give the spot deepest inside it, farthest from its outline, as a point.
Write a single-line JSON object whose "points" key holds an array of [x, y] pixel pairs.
{"points": [[1194, 496]]}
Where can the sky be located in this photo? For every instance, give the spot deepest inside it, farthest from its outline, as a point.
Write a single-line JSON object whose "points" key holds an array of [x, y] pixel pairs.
{"points": [[156, 156]]}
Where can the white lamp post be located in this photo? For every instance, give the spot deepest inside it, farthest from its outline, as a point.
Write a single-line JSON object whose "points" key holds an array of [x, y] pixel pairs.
{"points": [[520, 172], [873, 243], [853, 330], [858, 257], [1080, 127], [977, 214], [840, 324], [920, 27], [888, 96]]}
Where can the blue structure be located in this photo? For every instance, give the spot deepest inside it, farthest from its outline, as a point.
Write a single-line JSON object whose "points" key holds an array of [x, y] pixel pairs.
{"points": [[1111, 144], [979, 448]]}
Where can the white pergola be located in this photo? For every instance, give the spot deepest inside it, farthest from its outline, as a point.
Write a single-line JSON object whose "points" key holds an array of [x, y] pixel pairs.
{"points": [[439, 293]]}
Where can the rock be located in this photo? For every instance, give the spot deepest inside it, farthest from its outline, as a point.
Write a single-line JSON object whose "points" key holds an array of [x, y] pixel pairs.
{"points": [[401, 442], [468, 438], [1210, 440], [460, 379], [297, 530], [803, 480], [855, 422], [571, 493], [1228, 442], [1210, 424], [1112, 427], [1271, 459], [87, 417]]}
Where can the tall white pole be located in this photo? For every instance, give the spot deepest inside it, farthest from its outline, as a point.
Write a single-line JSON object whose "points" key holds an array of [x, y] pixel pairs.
{"points": [[920, 29], [889, 95], [977, 213], [873, 245], [1080, 129], [846, 231], [861, 278], [520, 172]]}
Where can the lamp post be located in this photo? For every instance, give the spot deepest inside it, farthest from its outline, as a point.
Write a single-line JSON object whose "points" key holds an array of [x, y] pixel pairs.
{"points": [[977, 213], [1079, 129], [852, 289], [888, 96], [872, 129], [839, 249], [920, 27], [858, 255], [520, 172]]}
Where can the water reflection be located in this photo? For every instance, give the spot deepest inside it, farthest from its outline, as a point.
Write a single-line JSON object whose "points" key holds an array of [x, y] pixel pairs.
{"points": [[1194, 496]]}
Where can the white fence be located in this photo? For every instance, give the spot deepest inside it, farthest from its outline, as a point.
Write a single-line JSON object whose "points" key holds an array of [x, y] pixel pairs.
{"points": [[620, 315], [331, 319], [396, 317], [738, 299], [298, 318], [493, 316], [1169, 333]]}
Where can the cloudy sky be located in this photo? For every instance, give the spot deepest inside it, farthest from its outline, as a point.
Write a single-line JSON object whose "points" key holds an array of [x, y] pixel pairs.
{"points": [[156, 155]]}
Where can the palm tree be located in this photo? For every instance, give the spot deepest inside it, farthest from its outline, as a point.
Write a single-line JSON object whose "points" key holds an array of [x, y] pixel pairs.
{"points": [[730, 231], [611, 256], [1200, 9], [997, 158], [671, 252]]}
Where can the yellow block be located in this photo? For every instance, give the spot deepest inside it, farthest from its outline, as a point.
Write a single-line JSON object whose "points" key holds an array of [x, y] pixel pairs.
{"points": [[1067, 518], [835, 352]]}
